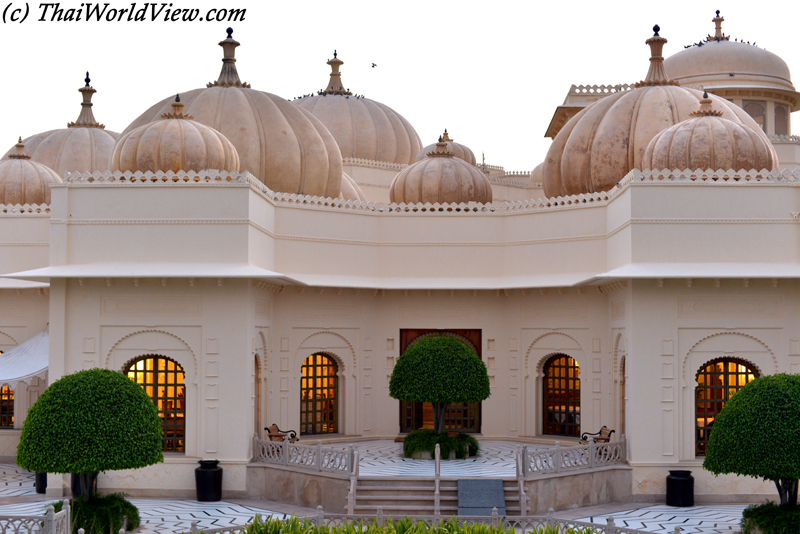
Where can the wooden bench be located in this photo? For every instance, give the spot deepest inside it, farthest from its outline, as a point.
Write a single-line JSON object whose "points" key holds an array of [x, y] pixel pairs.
{"points": [[604, 436], [276, 434]]}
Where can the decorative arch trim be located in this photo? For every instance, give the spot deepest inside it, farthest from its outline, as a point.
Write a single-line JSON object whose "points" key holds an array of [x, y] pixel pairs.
{"points": [[9, 337], [739, 361], [341, 361], [155, 331], [539, 338], [716, 334]]}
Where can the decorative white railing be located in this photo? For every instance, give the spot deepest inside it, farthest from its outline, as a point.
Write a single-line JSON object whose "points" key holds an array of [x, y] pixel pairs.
{"points": [[312, 457], [49, 523], [24, 209], [785, 139], [599, 89], [579, 457]]}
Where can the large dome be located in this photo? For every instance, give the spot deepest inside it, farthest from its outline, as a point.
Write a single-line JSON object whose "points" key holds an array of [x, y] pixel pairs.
{"points": [[175, 143], [607, 139], [708, 141], [84, 145], [23, 181], [460, 151], [717, 61], [283, 145], [441, 178], [363, 128]]}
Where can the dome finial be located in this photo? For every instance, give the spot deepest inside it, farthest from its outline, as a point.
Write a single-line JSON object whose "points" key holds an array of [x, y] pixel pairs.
{"points": [[718, 35], [656, 75], [445, 137], [228, 76], [705, 108], [86, 118], [177, 110], [335, 86], [441, 150], [19, 152]]}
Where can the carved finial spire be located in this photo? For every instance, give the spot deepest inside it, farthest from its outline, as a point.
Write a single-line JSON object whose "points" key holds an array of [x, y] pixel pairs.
{"points": [[19, 152], [656, 75], [446, 136], [177, 110], [335, 86], [718, 35], [228, 76], [705, 108], [441, 150], [86, 118]]}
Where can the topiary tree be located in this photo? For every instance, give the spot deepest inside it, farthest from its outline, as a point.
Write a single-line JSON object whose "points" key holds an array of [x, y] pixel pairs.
{"points": [[439, 370], [756, 432], [90, 421]]}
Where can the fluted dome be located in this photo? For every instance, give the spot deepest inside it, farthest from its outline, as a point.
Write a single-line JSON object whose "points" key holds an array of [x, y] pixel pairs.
{"points": [[460, 151], [718, 61], [284, 146], [363, 128], [23, 181], [708, 141], [175, 143], [607, 138], [351, 190], [84, 145], [537, 174], [441, 178]]}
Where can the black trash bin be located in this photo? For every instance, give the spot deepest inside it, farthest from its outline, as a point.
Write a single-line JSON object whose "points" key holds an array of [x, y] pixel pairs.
{"points": [[680, 488], [208, 479], [41, 482]]}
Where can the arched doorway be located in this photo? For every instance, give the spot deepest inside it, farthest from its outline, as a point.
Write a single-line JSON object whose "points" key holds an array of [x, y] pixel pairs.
{"points": [[162, 379], [319, 395], [257, 396], [716, 382], [561, 394]]}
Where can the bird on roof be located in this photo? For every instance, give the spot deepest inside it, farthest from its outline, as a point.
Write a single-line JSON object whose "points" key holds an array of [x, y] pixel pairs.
{"points": [[374, 65]]}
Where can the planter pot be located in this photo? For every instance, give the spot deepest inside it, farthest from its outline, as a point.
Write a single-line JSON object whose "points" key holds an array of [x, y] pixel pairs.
{"points": [[41, 482], [680, 488], [208, 481]]}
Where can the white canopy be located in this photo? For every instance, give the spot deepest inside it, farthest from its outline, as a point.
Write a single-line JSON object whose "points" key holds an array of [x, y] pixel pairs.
{"points": [[25, 361]]}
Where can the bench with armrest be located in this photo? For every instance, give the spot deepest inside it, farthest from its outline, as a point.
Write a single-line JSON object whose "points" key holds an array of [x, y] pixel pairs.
{"points": [[604, 436], [276, 434]]}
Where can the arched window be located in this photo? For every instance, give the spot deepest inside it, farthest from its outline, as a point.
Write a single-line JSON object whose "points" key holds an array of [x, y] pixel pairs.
{"points": [[781, 119], [716, 382], [562, 396], [162, 379], [6, 407], [319, 395]]}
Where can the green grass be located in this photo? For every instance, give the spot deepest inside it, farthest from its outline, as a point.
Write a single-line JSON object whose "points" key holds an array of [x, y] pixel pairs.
{"points": [[425, 440], [102, 514], [771, 518]]}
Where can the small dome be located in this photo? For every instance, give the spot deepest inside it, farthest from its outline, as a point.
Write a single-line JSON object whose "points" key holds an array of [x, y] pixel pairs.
{"points": [[23, 181], [718, 61], [282, 145], [175, 143], [351, 190], [707, 141], [607, 139], [460, 151], [537, 174], [441, 178], [84, 145], [362, 128]]}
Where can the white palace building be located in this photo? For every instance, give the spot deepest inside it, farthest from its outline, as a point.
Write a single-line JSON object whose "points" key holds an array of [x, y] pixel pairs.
{"points": [[239, 244]]}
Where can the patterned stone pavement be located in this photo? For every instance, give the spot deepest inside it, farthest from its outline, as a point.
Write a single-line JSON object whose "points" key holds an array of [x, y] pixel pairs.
{"points": [[710, 519], [15, 482]]}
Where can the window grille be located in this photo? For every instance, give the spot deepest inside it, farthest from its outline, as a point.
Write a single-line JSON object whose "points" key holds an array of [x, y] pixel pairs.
{"points": [[162, 379], [562, 396], [6, 407], [319, 395]]}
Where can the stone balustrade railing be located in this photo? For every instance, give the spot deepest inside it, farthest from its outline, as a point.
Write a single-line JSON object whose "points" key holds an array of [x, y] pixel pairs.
{"points": [[599, 89], [793, 139], [374, 163], [24, 209], [51, 522], [579, 457], [311, 457]]}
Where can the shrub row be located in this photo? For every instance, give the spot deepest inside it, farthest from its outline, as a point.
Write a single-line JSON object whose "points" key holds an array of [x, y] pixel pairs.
{"points": [[426, 440], [771, 518]]}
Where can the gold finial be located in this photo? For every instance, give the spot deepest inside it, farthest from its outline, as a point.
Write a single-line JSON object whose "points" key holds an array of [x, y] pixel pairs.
{"points": [[228, 76], [19, 153], [705, 108], [86, 118], [335, 85], [656, 75], [177, 111], [441, 150]]}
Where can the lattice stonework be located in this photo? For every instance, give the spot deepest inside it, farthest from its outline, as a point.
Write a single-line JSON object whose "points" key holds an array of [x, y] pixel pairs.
{"points": [[6, 407], [716, 382], [162, 379], [319, 395], [562, 396]]}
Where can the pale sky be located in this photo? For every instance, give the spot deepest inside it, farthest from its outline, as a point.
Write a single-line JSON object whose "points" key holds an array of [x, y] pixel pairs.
{"points": [[491, 72]]}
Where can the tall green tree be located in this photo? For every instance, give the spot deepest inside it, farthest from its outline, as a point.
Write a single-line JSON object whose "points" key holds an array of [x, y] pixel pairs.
{"points": [[756, 434], [439, 370], [91, 421]]}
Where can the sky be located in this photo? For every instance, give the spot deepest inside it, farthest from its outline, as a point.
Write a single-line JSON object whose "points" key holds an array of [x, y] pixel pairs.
{"points": [[491, 72]]}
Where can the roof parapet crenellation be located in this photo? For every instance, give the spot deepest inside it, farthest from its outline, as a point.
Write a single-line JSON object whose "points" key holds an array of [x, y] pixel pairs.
{"points": [[160, 177], [24, 209], [374, 163], [599, 89], [784, 139], [711, 176]]}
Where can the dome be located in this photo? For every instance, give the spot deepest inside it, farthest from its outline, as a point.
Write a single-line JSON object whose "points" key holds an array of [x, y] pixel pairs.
{"points": [[351, 190], [537, 174], [24, 181], [717, 61], [284, 146], [460, 151], [84, 145], [708, 141], [363, 128], [175, 143], [607, 138], [441, 178]]}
